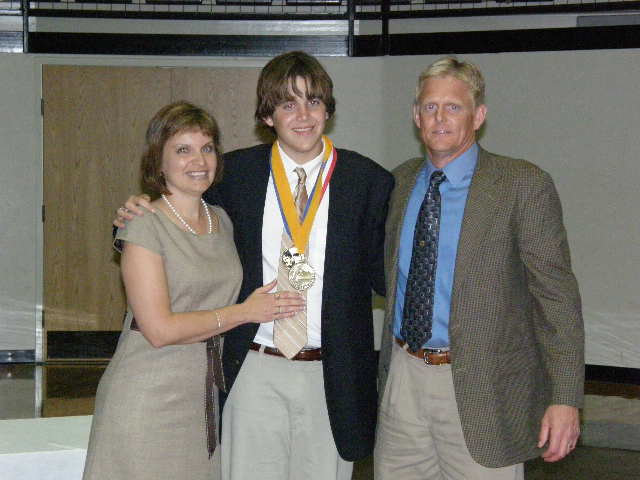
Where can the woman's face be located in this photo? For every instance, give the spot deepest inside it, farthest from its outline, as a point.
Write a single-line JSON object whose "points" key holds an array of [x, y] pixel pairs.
{"points": [[189, 162]]}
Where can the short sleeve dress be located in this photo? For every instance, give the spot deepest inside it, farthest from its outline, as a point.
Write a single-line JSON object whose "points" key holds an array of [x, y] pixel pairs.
{"points": [[149, 419]]}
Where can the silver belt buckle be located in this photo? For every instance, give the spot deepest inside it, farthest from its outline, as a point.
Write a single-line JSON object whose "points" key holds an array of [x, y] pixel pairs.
{"points": [[427, 351], [425, 357]]}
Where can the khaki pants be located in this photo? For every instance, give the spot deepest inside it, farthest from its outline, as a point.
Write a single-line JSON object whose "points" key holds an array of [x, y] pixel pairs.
{"points": [[419, 435], [275, 424]]}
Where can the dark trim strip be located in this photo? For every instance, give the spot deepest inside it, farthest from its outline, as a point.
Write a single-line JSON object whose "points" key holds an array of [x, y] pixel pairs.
{"points": [[81, 345], [25, 6], [102, 344], [605, 373], [17, 356], [10, 42], [530, 40], [219, 45], [73, 380]]}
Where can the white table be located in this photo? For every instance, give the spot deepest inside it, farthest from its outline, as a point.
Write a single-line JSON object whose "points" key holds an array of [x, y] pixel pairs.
{"points": [[43, 448]]}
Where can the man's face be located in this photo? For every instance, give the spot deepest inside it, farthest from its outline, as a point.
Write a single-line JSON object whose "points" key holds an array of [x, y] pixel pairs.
{"points": [[447, 118], [299, 124]]}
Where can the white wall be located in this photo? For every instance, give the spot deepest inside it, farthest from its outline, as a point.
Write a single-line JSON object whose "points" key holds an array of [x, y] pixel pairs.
{"points": [[20, 193], [576, 114]]}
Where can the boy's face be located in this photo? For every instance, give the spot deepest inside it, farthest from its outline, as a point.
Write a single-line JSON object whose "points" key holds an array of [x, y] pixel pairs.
{"points": [[299, 124]]}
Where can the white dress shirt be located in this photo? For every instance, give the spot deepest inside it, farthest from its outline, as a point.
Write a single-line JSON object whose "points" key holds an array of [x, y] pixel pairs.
{"points": [[272, 228]]}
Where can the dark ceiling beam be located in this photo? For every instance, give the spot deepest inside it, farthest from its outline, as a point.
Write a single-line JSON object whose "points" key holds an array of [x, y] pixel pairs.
{"points": [[209, 45], [526, 40]]}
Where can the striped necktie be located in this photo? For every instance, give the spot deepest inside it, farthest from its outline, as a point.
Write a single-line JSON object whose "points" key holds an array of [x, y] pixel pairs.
{"points": [[290, 334]]}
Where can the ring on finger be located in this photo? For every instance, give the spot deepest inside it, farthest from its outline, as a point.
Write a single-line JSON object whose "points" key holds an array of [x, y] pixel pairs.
{"points": [[277, 295], [279, 308]]}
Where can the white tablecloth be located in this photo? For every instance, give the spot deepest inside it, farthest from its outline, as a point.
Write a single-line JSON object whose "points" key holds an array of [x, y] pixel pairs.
{"points": [[43, 448]]}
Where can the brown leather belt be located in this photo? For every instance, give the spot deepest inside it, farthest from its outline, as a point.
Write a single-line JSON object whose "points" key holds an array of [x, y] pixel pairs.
{"points": [[309, 355], [430, 356]]}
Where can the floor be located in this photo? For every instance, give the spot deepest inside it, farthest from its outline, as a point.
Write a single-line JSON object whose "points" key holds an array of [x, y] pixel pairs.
{"points": [[588, 463], [68, 389], [585, 463]]}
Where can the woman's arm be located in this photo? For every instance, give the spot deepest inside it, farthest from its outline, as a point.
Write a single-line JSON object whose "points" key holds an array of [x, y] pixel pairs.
{"points": [[147, 291]]}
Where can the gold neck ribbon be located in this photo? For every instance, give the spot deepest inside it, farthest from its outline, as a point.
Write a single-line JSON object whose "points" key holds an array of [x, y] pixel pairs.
{"points": [[299, 231]]}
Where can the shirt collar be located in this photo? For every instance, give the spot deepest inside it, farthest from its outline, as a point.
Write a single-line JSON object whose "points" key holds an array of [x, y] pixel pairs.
{"points": [[310, 168], [460, 168]]}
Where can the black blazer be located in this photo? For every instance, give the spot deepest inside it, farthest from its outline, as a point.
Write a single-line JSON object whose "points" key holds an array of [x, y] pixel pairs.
{"points": [[358, 197]]}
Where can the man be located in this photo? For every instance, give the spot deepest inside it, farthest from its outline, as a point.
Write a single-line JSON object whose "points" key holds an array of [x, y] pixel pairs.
{"points": [[482, 360], [310, 416]]}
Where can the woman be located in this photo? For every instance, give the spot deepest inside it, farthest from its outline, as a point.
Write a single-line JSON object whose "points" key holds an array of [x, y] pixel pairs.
{"points": [[181, 274]]}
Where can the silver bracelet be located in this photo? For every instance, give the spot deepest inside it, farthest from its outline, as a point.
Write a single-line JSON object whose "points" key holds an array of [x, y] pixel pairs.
{"points": [[219, 319]]}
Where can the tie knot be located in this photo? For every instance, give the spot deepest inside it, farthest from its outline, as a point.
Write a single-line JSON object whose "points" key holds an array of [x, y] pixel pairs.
{"points": [[437, 178], [302, 175]]}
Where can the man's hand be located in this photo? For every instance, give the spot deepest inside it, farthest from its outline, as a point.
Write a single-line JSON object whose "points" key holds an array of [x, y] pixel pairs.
{"points": [[135, 205], [560, 430]]}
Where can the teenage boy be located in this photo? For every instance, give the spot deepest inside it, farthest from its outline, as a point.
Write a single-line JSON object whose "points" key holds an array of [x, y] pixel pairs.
{"points": [[302, 394]]}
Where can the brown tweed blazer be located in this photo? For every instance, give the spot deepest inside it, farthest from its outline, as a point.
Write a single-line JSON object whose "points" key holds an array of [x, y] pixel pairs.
{"points": [[516, 331]]}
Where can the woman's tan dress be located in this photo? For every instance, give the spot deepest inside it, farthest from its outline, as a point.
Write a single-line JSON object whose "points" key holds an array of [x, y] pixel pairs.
{"points": [[149, 419]]}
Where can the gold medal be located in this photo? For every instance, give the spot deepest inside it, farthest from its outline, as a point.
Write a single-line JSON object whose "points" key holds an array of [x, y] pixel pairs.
{"points": [[291, 256], [302, 276]]}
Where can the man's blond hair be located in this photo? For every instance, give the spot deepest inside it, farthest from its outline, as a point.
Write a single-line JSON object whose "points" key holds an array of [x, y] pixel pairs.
{"points": [[464, 71]]}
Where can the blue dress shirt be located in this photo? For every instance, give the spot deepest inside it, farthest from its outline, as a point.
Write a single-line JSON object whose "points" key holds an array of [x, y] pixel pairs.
{"points": [[453, 194]]}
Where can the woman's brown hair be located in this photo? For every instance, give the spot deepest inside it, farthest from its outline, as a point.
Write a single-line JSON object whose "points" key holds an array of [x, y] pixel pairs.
{"points": [[170, 120]]}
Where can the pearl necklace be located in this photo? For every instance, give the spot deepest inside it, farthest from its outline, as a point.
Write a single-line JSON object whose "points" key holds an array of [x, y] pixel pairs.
{"points": [[182, 220]]}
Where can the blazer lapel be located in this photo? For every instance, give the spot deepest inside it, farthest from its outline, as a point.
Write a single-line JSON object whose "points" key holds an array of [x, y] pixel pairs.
{"points": [[482, 203], [340, 194], [405, 181], [253, 212]]}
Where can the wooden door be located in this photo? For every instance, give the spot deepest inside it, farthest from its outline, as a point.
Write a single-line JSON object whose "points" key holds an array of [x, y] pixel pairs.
{"points": [[94, 124], [228, 93]]}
